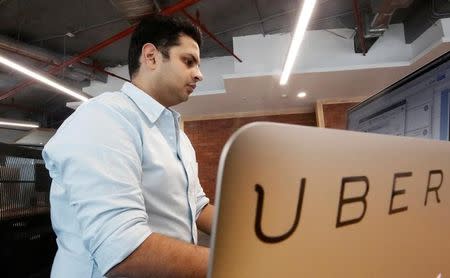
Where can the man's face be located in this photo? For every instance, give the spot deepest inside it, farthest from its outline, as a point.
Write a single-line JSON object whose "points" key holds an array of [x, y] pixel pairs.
{"points": [[178, 75]]}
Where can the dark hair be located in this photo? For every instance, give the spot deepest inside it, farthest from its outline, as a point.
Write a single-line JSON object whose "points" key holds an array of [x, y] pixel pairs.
{"points": [[163, 32]]}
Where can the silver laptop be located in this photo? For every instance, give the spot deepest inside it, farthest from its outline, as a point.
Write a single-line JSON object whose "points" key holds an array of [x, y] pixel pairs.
{"points": [[297, 201]]}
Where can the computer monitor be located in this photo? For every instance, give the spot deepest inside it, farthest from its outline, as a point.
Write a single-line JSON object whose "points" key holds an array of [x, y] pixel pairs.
{"points": [[295, 201], [415, 106]]}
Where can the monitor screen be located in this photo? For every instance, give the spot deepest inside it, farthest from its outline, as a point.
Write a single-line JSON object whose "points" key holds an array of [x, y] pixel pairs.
{"points": [[416, 106]]}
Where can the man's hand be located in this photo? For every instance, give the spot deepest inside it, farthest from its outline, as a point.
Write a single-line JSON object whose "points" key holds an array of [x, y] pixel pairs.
{"points": [[204, 220]]}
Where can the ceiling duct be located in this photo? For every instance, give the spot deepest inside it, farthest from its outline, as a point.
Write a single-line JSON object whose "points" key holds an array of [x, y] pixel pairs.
{"points": [[43, 58], [377, 22], [426, 13], [134, 10], [383, 11]]}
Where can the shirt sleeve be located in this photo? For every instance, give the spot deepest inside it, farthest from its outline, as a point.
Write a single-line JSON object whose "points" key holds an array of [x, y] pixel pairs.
{"points": [[202, 200], [96, 156]]}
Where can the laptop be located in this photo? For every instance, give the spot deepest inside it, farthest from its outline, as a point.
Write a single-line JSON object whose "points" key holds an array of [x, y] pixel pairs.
{"points": [[295, 201]]}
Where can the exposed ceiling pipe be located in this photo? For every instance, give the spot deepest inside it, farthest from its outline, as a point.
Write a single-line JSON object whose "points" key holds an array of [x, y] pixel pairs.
{"points": [[372, 26], [436, 13], [76, 32], [72, 73], [133, 10], [157, 5], [178, 7], [424, 15], [384, 9], [36, 63], [167, 11], [277, 15], [49, 58], [211, 35], [359, 38]]}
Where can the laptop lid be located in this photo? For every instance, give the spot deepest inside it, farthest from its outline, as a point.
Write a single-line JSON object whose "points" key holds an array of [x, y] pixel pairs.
{"points": [[296, 201]]}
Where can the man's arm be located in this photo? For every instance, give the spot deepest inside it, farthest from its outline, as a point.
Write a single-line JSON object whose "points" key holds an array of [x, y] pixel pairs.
{"points": [[204, 220], [162, 256]]}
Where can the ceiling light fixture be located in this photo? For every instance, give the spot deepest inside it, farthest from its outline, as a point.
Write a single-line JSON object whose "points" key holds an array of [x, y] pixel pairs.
{"points": [[301, 95], [41, 78], [19, 124], [300, 29]]}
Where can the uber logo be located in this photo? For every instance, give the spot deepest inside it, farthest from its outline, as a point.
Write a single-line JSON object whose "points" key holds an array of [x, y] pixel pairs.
{"points": [[432, 189]]}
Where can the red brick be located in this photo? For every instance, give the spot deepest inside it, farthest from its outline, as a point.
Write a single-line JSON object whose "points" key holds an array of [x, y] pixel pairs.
{"points": [[209, 136]]}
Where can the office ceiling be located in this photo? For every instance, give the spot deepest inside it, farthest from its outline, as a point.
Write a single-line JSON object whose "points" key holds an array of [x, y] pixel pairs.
{"points": [[65, 28]]}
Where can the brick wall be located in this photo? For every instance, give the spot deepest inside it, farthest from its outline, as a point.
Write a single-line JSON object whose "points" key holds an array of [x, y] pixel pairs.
{"points": [[209, 136]]}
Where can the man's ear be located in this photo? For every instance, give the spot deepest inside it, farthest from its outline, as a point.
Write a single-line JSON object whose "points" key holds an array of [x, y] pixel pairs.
{"points": [[149, 55]]}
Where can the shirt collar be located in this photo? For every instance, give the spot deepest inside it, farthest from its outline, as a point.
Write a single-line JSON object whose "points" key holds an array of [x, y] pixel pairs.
{"points": [[148, 105]]}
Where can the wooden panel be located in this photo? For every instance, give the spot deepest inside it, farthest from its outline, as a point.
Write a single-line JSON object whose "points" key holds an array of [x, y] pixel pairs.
{"points": [[335, 114]]}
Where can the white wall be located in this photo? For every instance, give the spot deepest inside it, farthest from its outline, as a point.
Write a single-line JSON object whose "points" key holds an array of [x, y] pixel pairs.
{"points": [[213, 70]]}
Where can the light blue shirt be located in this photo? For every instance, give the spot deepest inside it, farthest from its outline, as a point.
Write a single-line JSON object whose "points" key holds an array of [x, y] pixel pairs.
{"points": [[121, 169]]}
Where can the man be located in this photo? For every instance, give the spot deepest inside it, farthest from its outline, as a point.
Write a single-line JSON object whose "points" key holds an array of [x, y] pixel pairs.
{"points": [[125, 196]]}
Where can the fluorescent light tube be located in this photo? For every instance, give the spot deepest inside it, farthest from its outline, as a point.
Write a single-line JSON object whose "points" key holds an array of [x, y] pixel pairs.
{"points": [[300, 29], [41, 78], [18, 124]]}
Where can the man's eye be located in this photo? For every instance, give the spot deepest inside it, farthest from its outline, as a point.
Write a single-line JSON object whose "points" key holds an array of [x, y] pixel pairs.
{"points": [[189, 62]]}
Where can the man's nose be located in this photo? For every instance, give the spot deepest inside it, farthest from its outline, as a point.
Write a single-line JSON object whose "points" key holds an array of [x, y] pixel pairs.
{"points": [[198, 76]]}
